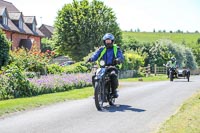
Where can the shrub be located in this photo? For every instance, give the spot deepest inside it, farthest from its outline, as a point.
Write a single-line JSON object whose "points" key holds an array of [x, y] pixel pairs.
{"points": [[14, 83], [33, 61], [55, 69], [4, 49], [132, 60]]}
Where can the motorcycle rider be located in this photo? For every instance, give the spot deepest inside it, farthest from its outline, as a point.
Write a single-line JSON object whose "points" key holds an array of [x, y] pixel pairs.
{"points": [[170, 64], [112, 55]]}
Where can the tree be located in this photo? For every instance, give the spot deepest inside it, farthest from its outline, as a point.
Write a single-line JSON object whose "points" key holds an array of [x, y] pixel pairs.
{"points": [[80, 26], [4, 49]]}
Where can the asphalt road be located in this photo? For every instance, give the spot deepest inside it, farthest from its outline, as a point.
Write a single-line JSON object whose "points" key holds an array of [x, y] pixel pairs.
{"points": [[141, 108]]}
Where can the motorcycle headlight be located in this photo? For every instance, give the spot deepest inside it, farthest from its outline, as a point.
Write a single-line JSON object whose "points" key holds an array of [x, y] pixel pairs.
{"points": [[102, 63]]}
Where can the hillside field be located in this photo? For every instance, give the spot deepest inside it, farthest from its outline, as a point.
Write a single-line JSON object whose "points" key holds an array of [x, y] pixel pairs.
{"points": [[180, 38]]}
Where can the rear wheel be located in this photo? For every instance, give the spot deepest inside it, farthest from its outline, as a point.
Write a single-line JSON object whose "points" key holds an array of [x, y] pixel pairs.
{"points": [[188, 76], [98, 96], [171, 76]]}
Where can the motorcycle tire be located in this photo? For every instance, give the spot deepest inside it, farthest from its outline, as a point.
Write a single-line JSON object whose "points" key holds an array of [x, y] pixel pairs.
{"points": [[98, 96]]}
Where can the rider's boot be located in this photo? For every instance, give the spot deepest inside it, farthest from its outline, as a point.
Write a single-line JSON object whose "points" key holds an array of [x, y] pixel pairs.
{"points": [[114, 93]]}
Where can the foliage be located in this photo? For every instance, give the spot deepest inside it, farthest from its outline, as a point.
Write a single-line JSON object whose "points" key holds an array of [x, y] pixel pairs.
{"points": [[47, 44], [78, 67], [58, 83], [160, 51], [14, 83], [55, 69], [184, 55], [4, 49], [189, 59], [33, 61], [79, 27], [133, 61], [190, 40]]}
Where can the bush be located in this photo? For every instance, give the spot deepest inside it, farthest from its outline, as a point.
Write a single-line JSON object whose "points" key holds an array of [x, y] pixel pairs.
{"points": [[76, 68], [4, 49], [32, 61], [55, 69], [14, 83], [184, 55], [133, 61]]}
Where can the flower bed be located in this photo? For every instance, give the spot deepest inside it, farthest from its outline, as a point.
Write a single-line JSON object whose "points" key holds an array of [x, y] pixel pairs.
{"points": [[57, 83]]}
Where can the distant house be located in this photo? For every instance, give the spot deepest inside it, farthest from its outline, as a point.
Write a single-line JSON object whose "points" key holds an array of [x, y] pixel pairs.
{"points": [[19, 29], [47, 30]]}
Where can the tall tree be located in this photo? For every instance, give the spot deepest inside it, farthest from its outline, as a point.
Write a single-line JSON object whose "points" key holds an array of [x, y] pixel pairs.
{"points": [[80, 26], [4, 49]]}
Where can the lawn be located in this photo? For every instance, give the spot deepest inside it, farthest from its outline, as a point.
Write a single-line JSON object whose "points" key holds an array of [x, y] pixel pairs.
{"points": [[186, 120]]}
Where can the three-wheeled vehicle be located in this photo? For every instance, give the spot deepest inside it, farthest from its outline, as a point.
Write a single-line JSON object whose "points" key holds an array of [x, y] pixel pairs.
{"points": [[179, 73]]}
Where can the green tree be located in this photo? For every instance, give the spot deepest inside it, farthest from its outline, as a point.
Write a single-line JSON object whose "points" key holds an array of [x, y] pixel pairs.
{"points": [[79, 27], [4, 49]]}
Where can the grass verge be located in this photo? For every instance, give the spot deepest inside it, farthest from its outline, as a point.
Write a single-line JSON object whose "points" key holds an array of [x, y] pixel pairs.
{"points": [[19, 104], [186, 120], [151, 78]]}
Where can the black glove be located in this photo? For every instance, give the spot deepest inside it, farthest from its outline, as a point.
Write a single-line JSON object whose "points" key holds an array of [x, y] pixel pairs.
{"points": [[116, 61], [89, 60]]}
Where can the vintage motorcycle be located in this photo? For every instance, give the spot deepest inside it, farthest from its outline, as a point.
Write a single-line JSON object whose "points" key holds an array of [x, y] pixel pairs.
{"points": [[172, 73], [102, 86], [185, 73]]}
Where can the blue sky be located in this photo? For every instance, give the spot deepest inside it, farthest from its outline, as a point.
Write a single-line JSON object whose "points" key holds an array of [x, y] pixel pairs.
{"points": [[131, 14]]}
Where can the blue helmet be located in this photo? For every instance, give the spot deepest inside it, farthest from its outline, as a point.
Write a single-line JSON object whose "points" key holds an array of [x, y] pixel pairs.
{"points": [[108, 36], [173, 59]]}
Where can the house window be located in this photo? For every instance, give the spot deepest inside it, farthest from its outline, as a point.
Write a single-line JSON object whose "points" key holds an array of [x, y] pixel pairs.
{"points": [[5, 19], [20, 23]]}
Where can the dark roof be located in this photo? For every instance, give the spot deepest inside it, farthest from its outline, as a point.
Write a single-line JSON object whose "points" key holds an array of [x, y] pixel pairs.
{"points": [[50, 28], [10, 7], [14, 14], [10, 26]]}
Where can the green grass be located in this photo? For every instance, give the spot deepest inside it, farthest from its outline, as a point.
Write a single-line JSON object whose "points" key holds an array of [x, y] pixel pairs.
{"points": [[151, 78], [186, 120], [19, 104], [151, 37]]}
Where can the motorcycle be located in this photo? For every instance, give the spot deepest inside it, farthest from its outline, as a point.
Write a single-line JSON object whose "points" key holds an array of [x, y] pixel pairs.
{"points": [[102, 86], [172, 73], [179, 73]]}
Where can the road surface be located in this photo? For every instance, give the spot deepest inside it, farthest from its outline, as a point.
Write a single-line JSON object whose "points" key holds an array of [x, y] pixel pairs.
{"points": [[141, 108]]}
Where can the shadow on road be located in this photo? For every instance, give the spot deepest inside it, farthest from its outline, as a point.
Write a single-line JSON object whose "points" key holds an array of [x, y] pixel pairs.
{"points": [[122, 108]]}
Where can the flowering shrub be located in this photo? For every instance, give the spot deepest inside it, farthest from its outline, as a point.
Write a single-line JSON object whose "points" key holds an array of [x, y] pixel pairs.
{"points": [[31, 60], [57, 83], [14, 84]]}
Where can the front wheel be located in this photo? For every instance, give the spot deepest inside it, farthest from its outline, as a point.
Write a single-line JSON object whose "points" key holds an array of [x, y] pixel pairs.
{"points": [[98, 96], [171, 76], [188, 76]]}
